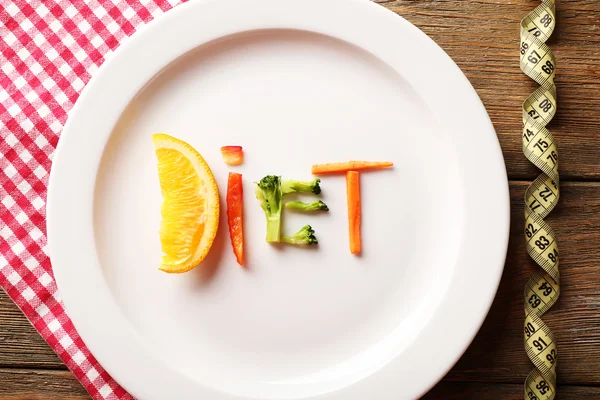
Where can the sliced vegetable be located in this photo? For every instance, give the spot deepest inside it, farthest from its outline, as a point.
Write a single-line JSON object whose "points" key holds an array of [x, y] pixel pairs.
{"points": [[235, 215], [306, 235], [353, 194], [292, 186], [333, 168], [232, 155], [317, 205]]}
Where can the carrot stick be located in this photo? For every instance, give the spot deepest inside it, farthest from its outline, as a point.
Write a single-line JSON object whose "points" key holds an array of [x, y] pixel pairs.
{"points": [[332, 168], [353, 194]]}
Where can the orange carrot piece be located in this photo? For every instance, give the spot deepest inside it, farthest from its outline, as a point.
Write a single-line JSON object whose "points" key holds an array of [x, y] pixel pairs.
{"points": [[332, 168], [353, 194]]}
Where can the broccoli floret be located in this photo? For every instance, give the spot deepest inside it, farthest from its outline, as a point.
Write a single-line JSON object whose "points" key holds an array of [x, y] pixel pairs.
{"points": [[292, 186], [268, 191], [306, 235], [317, 205]]}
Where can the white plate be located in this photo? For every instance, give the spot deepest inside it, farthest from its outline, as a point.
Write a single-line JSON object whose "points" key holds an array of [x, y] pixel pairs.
{"points": [[295, 83]]}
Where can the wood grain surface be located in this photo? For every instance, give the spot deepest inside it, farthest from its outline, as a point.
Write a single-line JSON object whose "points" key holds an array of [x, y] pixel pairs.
{"points": [[482, 36], [27, 384], [20, 345]]}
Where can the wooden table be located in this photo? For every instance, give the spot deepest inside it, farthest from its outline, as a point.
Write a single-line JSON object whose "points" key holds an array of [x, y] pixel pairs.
{"points": [[482, 36]]}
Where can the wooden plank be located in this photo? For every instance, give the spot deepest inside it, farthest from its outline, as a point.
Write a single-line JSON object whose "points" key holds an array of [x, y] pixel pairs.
{"points": [[26, 384], [497, 352], [483, 39], [20, 344], [501, 391], [61, 385]]}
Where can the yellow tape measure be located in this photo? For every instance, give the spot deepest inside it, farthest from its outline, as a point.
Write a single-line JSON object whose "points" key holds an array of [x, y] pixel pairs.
{"points": [[542, 290]]}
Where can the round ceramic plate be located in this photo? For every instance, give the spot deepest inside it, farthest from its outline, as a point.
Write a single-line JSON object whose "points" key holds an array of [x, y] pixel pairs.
{"points": [[295, 83]]}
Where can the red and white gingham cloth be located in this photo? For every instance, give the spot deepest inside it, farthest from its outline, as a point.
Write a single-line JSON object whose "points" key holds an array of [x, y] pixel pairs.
{"points": [[48, 51]]}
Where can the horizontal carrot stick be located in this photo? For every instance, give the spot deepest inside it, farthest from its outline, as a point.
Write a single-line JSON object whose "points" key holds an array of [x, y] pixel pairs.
{"points": [[332, 168], [353, 194]]}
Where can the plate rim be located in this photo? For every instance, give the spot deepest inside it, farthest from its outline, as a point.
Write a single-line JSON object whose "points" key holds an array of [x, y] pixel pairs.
{"points": [[63, 229]]}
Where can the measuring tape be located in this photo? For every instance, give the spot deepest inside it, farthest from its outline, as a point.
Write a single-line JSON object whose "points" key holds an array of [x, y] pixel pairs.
{"points": [[542, 290]]}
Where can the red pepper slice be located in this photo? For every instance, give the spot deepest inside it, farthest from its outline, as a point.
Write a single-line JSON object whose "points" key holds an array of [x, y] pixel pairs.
{"points": [[232, 155], [235, 203]]}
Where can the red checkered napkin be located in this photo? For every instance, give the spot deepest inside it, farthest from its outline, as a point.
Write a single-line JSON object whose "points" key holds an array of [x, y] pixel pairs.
{"points": [[48, 51]]}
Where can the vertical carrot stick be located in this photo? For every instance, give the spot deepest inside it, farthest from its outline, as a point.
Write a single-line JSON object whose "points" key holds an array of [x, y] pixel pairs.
{"points": [[353, 194]]}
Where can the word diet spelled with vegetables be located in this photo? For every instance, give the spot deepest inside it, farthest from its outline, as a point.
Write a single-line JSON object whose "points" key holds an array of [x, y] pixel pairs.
{"points": [[190, 208]]}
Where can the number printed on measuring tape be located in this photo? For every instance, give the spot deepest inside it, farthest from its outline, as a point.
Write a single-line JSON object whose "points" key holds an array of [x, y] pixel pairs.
{"points": [[542, 289]]}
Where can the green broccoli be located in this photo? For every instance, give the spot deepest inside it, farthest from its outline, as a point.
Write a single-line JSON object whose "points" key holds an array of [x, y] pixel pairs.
{"points": [[269, 193], [317, 205], [292, 186], [306, 235]]}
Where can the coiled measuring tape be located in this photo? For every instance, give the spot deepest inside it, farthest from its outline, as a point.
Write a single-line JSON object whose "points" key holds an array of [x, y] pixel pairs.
{"points": [[542, 290]]}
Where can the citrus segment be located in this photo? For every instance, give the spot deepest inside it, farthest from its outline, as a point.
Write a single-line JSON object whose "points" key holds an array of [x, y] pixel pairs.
{"points": [[190, 208]]}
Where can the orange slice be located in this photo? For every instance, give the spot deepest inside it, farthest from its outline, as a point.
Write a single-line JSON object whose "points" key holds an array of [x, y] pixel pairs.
{"points": [[190, 208]]}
